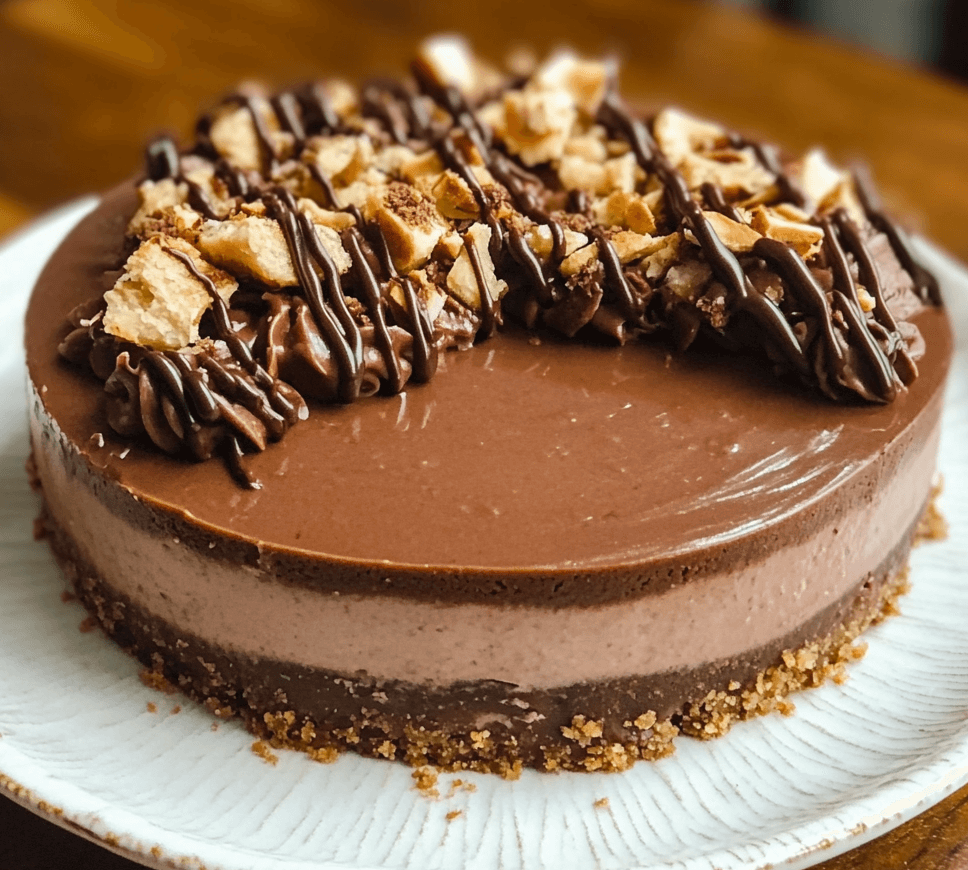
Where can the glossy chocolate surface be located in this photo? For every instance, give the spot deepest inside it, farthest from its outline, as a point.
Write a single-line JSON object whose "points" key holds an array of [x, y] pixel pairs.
{"points": [[535, 463]]}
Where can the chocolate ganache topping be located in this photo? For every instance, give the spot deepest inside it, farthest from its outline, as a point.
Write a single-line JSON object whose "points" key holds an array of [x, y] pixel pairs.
{"points": [[328, 243]]}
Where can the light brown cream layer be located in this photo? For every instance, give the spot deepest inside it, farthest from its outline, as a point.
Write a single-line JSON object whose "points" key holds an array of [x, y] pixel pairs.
{"points": [[246, 610]]}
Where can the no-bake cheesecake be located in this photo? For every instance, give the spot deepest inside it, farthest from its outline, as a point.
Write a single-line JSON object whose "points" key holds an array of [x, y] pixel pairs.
{"points": [[475, 420]]}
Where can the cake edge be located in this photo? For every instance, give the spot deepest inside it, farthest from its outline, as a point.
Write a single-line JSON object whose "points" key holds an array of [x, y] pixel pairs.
{"points": [[586, 742]]}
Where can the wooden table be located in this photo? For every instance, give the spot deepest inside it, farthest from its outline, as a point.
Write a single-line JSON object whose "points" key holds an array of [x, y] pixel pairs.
{"points": [[84, 84]]}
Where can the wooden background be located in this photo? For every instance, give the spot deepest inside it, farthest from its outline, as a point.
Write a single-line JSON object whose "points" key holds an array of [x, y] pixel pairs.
{"points": [[83, 84]]}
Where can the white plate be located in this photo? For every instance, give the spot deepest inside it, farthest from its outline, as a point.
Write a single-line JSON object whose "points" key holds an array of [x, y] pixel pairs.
{"points": [[80, 745]]}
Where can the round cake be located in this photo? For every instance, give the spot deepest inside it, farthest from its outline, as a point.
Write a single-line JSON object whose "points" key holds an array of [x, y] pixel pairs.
{"points": [[547, 432]]}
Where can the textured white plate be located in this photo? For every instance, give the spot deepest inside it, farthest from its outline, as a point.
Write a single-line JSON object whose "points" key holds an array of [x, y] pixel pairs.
{"points": [[79, 744]]}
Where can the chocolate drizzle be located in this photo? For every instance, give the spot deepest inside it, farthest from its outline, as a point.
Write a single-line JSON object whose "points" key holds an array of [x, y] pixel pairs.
{"points": [[266, 147], [924, 281], [354, 243], [336, 336], [770, 159], [854, 358], [318, 115], [716, 200], [342, 335], [489, 315], [183, 394], [779, 337], [162, 161]]}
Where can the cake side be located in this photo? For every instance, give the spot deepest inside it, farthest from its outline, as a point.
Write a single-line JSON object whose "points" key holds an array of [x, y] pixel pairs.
{"points": [[253, 609], [487, 725]]}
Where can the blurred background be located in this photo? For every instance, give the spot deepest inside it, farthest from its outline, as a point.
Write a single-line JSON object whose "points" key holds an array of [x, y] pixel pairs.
{"points": [[86, 82], [931, 32]]}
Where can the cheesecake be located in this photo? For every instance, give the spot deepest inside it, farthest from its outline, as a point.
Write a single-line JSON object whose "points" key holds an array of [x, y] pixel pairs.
{"points": [[478, 420]]}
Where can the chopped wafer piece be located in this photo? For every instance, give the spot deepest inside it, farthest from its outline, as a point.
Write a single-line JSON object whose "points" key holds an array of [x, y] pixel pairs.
{"points": [[158, 302]]}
